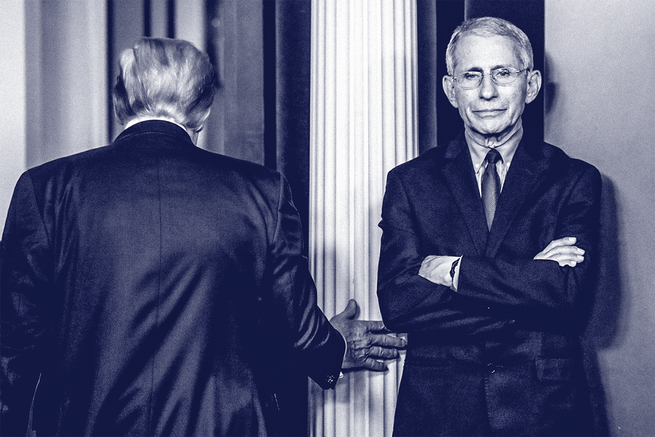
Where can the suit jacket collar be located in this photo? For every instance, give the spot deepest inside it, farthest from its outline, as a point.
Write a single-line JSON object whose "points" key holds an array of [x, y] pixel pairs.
{"points": [[460, 177], [528, 163], [155, 126]]}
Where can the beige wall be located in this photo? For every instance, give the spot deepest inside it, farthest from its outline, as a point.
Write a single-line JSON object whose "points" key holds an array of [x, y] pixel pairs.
{"points": [[53, 99], [600, 103], [12, 99]]}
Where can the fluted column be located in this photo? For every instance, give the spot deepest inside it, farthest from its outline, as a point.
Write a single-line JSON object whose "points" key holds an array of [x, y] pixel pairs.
{"points": [[363, 123]]}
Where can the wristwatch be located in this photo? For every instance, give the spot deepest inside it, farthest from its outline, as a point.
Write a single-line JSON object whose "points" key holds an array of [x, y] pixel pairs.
{"points": [[453, 267]]}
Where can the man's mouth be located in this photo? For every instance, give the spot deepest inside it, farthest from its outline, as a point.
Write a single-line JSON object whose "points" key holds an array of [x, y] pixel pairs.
{"points": [[488, 112]]}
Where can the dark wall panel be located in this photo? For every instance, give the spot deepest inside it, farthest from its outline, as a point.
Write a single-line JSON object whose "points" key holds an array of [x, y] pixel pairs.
{"points": [[126, 24], [438, 121], [287, 62], [450, 14]]}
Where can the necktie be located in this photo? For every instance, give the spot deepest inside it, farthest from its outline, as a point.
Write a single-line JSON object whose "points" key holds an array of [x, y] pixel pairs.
{"points": [[491, 186]]}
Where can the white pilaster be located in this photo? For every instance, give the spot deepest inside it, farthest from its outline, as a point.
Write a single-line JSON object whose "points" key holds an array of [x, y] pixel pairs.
{"points": [[363, 123]]}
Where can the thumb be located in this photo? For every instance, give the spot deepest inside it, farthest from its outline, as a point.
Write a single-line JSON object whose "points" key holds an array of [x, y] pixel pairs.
{"points": [[352, 309]]}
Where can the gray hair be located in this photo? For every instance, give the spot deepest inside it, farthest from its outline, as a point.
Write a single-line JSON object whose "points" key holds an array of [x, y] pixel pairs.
{"points": [[165, 77], [491, 26]]}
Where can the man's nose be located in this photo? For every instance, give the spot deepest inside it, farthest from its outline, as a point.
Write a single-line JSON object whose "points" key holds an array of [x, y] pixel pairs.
{"points": [[488, 88]]}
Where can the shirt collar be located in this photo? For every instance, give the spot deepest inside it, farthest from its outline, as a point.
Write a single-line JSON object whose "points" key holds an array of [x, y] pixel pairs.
{"points": [[140, 119], [506, 147]]}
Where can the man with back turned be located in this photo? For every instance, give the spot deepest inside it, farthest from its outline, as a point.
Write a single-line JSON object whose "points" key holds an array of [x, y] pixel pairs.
{"points": [[150, 287], [488, 251]]}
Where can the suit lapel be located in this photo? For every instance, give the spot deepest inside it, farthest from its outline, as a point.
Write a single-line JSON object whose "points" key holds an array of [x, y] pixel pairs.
{"points": [[527, 165], [460, 177]]}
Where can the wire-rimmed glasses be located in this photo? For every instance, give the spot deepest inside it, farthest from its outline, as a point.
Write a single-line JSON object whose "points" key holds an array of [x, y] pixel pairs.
{"points": [[502, 76]]}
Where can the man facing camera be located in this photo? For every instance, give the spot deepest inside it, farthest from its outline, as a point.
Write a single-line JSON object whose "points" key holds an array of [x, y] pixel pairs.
{"points": [[152, 287], [488, 252]]}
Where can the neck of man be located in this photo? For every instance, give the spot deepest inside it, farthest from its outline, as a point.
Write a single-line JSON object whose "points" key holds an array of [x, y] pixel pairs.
{"points": [[192, 133], [492, 141]]}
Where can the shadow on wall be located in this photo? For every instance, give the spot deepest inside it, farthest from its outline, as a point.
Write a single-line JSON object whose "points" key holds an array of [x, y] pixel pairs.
{"points": [[549, 86], [603, 325], [602, 330]]}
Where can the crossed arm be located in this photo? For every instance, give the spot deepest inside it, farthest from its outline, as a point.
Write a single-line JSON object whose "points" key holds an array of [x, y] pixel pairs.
{"points": [[438, 269], [515, 281]]}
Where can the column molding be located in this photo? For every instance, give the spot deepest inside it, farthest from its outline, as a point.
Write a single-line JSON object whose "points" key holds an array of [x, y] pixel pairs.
{"points": [[362, 124]]}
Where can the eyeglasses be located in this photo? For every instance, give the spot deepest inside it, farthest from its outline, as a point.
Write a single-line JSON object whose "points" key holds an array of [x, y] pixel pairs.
{"points": [[501, 76]]}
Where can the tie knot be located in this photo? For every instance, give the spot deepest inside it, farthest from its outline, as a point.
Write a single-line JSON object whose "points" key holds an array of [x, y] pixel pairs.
{"points": [[493, 156]]}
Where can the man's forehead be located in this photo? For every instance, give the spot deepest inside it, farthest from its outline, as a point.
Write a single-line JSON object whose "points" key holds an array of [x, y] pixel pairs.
{"points": [[474, 52]]}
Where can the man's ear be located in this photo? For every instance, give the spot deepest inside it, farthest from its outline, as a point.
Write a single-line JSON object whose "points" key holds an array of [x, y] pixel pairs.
{"points": [[534, 85], [448, 84], [194, 133], [204, 118]]}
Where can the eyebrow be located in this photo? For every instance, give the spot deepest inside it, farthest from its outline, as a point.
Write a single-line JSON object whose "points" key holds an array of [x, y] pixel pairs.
{"points": [[492, 68]]}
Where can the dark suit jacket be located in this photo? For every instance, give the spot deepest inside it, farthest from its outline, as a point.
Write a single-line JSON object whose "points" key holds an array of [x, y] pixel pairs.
{"points": [[154, 285], [502, 354]]}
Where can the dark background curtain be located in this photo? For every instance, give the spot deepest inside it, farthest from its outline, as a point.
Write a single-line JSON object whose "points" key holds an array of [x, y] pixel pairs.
{"points": [[287, 43]]}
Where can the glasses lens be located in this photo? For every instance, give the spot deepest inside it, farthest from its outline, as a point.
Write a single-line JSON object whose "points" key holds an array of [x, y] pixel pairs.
{"points": [[501, 76], [469, 79], [504, 76]]}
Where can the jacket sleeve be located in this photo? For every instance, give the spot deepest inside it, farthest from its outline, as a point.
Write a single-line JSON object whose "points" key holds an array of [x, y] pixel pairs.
{"points": [[317, 346], [409, 302], [529, 288], [26, 278]]}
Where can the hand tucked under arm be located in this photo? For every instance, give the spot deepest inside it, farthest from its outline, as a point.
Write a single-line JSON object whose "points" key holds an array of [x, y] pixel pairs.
{"points": [[563, 251], [367, 341]]}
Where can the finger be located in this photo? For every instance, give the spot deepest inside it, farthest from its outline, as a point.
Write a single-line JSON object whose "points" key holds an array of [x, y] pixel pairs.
{"points": [[374, 325], [567, 259], [350, 311], [563, 259], [570, 262], [569, 251], [560, 251], [380, 353], [566, 241], [390, 341], [372, 364], [565, 248]]}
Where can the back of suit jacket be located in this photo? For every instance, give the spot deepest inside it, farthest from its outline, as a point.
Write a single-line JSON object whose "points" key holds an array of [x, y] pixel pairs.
{"points": [[148, 282], [502, 353]]}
